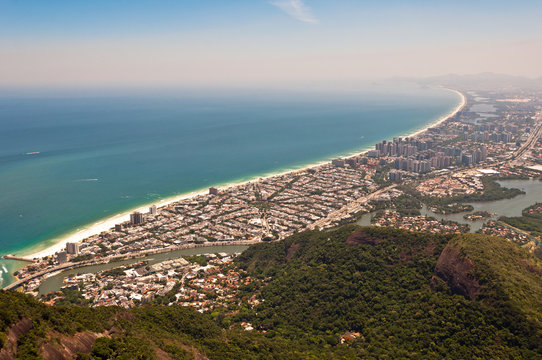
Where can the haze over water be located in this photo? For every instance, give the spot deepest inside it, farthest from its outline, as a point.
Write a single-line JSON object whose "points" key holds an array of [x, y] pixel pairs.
{"points": [[104, 153]]}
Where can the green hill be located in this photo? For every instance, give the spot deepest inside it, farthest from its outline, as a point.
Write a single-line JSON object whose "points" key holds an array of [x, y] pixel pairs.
{"points": [[405, 296], [344, 294]]}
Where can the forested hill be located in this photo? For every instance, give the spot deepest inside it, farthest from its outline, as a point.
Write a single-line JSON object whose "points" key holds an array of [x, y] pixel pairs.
{"points": [[402, 294], [349, 293]]}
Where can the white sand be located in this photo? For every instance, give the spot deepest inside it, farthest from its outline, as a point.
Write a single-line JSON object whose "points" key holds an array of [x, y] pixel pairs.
{"points": [[108, 223], [445, 117]]}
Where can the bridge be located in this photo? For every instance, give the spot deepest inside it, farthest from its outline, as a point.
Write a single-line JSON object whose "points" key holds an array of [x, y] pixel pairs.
{"points": [[19, 282], [349, 208]]}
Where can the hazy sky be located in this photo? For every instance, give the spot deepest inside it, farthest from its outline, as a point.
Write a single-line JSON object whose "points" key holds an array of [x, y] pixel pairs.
{"points": [[218, 42]]}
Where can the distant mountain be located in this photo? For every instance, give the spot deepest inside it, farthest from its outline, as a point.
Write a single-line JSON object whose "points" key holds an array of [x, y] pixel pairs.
{"points": [[349, 293], [483, 81]]}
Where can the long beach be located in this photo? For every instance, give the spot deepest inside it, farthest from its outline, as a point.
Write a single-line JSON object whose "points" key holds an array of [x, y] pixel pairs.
{"points": [[108, 223]]}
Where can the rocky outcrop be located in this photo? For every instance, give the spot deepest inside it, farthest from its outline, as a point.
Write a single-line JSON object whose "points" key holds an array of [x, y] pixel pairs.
{"points": [[360, 237], [65, 347], [9, 351], [292, 250], [456, 270]]}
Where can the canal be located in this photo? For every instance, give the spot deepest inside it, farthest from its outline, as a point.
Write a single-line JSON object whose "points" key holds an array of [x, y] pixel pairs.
{"points": [[55, 282], [505, 207]]}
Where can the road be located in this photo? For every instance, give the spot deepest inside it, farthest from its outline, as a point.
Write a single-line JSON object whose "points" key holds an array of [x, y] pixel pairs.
{"points": [[19, 282], [139, 254], [348, 208], [536, 133]]}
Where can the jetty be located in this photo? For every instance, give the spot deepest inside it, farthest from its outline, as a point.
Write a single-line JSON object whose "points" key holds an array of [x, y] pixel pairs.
{"points": [[13, 257]]}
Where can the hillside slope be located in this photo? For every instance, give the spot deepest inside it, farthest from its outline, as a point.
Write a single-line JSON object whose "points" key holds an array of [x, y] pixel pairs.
{"points": [[344, 294], [385, 285]]}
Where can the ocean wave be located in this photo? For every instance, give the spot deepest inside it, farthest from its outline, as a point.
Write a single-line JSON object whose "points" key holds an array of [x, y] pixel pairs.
{"points": [[86, 180]]}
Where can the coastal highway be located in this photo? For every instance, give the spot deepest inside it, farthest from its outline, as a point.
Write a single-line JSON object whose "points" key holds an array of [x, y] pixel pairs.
{"points": [[347, 209], [536, 133], [20, 282]]}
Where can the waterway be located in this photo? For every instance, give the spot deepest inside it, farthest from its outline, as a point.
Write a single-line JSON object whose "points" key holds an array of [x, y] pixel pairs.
{"points": [[505, 207], [55, 282]]}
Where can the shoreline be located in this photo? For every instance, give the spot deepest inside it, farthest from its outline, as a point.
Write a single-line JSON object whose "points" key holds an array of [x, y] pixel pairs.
{"points": [[447, 116], [106, 224]]}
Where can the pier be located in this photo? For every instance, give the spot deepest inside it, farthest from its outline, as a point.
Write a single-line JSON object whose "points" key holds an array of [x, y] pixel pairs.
{"points": [[19, 258]]}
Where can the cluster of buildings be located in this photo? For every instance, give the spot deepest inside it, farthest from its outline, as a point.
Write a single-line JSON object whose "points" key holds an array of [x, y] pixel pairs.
{"points": [[217, 288], [142, 283], [452, 184], [534, 210], [391, 218], [437, 163], [270, 209], [496, 228], [421, 156], [495, 133], [71, 251]]}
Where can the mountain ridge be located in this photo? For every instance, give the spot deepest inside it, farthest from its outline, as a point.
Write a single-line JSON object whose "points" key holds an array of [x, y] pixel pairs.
{"points": [[351, 292]]}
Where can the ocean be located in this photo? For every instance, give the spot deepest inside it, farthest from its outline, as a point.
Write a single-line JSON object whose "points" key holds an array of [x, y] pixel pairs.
{"points": [[70, 159]]}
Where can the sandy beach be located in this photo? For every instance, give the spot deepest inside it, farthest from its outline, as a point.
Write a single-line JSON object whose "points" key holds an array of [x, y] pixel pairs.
{"points": [[108, 223], [445, 117]]}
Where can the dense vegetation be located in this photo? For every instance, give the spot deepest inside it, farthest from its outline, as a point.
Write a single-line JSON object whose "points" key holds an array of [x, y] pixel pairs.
{"points": [[46, 320], [529, 221], [492, 191], [376, 283], [141, 333], [323, 287], [405, 205]]}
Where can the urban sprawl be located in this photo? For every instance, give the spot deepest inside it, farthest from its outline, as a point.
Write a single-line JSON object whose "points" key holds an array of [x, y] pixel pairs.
{"points": [[494, 135]]}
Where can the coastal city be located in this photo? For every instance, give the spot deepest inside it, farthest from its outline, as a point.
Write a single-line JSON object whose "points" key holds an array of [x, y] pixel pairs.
{"points": [[490, 136], [270, 180], [202, 282]]}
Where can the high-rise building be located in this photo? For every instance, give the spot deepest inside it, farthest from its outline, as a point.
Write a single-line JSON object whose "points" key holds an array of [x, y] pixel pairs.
{"points": [[476, 156], [213, 191], [62, 257], [72, 248], [337, 162], [483, 151], [153, 210], [396, 176], [425, 166], [352, 162], [136, 218], [373, 153]]}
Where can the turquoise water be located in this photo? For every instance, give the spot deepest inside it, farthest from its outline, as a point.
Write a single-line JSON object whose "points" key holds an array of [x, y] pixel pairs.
{"points": [[102, 153]]}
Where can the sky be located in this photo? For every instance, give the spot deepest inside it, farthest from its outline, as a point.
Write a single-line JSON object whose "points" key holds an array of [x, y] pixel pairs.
{"points": [[262, 42]]}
